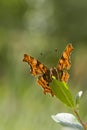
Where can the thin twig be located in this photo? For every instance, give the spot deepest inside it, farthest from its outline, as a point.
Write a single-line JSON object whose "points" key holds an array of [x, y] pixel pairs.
{"points": [[79, 119]]}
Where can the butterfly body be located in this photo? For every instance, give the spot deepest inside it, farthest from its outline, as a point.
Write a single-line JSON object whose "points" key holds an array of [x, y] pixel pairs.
{"points": [[45, 74]]}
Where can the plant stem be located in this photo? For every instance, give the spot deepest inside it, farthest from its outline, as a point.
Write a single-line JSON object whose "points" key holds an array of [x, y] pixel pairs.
{"points": [[79, 119]]}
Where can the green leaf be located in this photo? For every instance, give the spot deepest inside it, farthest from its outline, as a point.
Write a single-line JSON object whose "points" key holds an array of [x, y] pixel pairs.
{"points": [[62, 92], [68, 120], [78, 98]]}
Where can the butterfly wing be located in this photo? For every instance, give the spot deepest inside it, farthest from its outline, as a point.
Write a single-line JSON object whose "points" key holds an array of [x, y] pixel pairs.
{"points": [[45, 85], [36, 67], [64, 63], [40, 69]]}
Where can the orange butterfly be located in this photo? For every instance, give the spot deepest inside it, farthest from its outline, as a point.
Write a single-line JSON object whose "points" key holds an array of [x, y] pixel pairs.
{"points": [[45, 74]]}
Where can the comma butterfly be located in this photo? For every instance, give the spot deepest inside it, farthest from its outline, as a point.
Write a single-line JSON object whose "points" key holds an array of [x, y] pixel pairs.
{"points": [[45, 74]]}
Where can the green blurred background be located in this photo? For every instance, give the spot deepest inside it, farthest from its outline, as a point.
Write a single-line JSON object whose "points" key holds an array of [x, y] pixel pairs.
{"points": [[38, 27]]}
